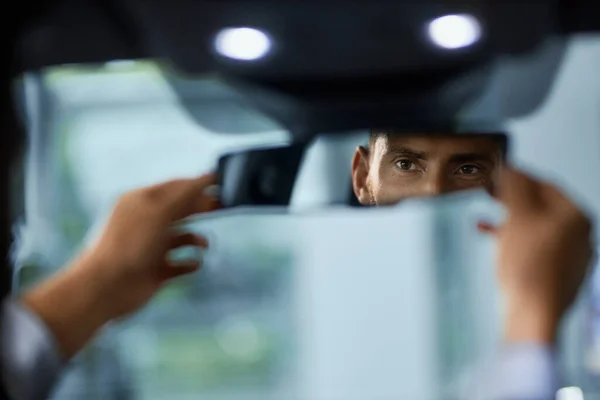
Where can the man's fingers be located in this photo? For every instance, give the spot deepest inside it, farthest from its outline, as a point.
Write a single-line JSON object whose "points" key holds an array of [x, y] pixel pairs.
{"points": [[193, 198], [182, 198], [187, 239], [187, 265], [184, 263], [205, 204], [177, 186], [517, 190], [487, 227], [174, 270]]}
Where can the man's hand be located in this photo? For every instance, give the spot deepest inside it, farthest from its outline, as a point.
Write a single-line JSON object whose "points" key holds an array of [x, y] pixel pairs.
{"points": [[132, 251], [544, 252], [126, 266]]}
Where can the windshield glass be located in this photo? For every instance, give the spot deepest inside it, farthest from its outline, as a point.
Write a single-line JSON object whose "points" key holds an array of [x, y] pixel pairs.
{"points": [[278, 306]]}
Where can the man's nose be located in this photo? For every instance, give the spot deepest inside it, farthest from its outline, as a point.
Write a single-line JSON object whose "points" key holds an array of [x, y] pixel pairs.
{"points": [[437, 185]]}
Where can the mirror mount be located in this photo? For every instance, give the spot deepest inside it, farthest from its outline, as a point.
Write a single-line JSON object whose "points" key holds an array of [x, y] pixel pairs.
{"points": [[438, 99], [308, 108]]}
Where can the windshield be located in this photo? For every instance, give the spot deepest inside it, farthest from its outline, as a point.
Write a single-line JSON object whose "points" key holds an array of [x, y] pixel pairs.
{"points": [[273, 300]]}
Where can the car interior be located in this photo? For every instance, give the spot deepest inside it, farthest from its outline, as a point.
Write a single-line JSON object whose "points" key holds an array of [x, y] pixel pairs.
{"points": [[308, 291]]}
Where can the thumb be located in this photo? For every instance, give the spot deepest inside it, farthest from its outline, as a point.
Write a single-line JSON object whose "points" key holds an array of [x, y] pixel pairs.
{"points": [[169, 272], [518, 191]]}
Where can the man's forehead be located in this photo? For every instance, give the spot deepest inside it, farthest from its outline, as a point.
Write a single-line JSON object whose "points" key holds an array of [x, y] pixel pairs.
{"points": [[438, 142]]}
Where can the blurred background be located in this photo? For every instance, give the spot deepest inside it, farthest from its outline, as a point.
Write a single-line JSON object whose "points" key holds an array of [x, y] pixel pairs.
{"points": [[243, 327]]}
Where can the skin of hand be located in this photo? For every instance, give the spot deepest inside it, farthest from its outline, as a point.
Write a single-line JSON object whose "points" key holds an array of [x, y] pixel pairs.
{"points": [[544, 251], [126, 266]]}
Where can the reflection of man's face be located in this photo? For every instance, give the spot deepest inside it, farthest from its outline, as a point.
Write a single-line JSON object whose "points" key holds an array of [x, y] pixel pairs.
{"points": [[396, 167]]}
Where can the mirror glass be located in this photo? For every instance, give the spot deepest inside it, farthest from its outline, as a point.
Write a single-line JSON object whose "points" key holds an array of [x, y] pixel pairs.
{"points": [[395, 166], [386, 167]]}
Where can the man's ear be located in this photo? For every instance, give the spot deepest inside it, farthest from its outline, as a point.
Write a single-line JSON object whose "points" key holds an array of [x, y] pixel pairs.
{"points": [[360, 175]]}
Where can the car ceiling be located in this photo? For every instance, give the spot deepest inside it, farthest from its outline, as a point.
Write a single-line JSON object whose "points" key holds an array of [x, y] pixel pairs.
{"points": [[328, 76]]}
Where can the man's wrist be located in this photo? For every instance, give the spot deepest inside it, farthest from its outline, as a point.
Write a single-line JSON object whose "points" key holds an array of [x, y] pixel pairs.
{"points": [[535, 322], [103, 287], [74, 304]]}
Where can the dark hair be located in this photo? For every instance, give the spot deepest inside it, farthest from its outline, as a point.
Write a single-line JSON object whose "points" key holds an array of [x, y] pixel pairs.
{"points": [[500, 138], [375, 134]]}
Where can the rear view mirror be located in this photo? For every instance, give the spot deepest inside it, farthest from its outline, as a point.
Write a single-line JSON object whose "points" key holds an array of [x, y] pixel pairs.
{"points": [[387, 167]]}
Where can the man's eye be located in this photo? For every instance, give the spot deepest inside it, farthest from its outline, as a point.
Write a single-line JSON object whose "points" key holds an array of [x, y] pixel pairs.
{"points": [[406, 165], [468, 170]]}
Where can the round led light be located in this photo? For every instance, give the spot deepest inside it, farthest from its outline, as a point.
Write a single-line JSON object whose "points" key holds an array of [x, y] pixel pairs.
{"points": [[245, 44], [454, 31]]}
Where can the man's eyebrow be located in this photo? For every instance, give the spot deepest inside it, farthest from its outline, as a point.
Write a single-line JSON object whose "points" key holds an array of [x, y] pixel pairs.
{"points": [[474, 156], [405, 151]]}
